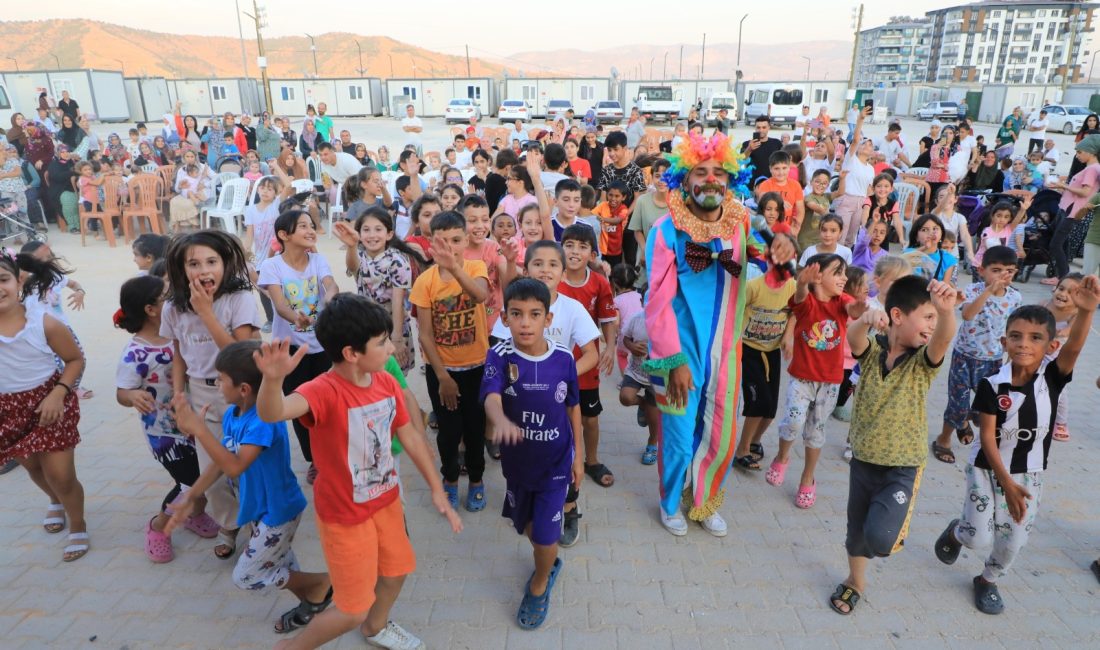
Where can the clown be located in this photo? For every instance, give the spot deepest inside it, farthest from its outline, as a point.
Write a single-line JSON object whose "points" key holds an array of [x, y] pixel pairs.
{"points": [[698, 255]]}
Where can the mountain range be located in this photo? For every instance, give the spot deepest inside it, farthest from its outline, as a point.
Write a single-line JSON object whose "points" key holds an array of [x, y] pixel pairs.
{"points": [[80, 43]]}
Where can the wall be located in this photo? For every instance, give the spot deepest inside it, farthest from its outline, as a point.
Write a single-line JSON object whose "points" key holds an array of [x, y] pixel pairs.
{"points": [[109, 94]]}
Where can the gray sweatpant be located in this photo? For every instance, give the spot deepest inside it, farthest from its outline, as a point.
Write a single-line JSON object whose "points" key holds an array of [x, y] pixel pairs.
{"points": [[985, 519]]}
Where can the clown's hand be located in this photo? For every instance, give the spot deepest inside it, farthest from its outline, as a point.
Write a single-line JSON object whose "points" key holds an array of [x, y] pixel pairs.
{"points": [[782, 250], [680, 384]]}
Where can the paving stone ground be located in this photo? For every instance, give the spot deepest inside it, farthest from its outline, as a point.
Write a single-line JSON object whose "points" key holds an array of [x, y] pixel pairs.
{"points": [[627, 584]]}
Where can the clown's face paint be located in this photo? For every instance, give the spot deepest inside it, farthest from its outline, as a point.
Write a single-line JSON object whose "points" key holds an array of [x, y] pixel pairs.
{"points": [[706, 184]]}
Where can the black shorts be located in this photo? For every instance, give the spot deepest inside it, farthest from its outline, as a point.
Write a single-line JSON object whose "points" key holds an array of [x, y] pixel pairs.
{"points": [[760, 372], [590, 402], [646, 391], [613, 260], [880, 503]]}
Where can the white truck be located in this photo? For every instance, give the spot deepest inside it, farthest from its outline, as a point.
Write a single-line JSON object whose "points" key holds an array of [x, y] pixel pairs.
{"points": [[659, 103]]}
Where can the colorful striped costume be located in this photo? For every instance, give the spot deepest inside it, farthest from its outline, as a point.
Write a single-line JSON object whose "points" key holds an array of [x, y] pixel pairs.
{"points": [[695, 318]]}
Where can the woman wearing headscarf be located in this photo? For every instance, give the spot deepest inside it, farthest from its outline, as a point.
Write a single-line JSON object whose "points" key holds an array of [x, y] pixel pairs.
{"points": [[40, 149], [16, 135], [148, 156], [166, 153], [309, 139], [70, 134], [59, 180], [986, 174], [268, 142], [115, 151], [592, 150]]}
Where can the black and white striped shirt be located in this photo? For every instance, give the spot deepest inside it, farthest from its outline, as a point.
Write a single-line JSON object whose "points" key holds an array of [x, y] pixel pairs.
{"points": [[1025, 416]]}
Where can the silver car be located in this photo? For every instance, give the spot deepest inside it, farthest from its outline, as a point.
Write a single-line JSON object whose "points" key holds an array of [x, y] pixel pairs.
{"points": [[938, 110]]}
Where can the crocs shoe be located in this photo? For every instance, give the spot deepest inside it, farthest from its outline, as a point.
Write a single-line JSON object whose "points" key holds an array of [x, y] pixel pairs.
{"points": [[806, 497], [649, 456], [202, 525], [776, 473], [987, 598], [452, 494], [475, 498], [948, 546], [158, 546]]}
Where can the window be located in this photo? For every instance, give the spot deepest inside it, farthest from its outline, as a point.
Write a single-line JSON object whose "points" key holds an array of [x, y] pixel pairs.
{"points": [[788, 97], [821, 95], [287, 93], [588, 93], [473, 92], [356, 92], [217, 92], [409, 91], [1027, 99], [530, 92], [60, 85]]}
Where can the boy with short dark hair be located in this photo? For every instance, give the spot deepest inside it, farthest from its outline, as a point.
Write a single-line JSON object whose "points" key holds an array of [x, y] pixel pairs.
{"points": [[531, 398], [890, 421], [1017, 408], [450, 299], [352, 411], [593, 291], [978, 349], [779, 164], [622, 168], [229, 148], [257, 454], [611, 215]]}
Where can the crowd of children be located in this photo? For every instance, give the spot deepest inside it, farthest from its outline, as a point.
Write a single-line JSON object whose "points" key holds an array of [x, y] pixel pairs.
{"points": [[518, 314]]}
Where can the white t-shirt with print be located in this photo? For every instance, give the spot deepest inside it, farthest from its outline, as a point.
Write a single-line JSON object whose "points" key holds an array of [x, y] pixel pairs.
{"points": [[303, 290], [571, 326], [197, 346]]}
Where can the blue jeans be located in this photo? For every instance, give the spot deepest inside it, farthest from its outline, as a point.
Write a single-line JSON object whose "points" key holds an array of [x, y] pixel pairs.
{"points": [[851, 131]]}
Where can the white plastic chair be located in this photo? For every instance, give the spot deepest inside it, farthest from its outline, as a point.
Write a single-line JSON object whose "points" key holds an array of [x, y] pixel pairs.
{"points": [[467, 174], [917, 171], [301, 185], [907, 192], [230, 206], [336, 207]]}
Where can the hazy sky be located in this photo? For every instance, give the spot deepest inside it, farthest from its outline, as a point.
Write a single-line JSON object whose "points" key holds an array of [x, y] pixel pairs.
{"points": [[489, 26]]}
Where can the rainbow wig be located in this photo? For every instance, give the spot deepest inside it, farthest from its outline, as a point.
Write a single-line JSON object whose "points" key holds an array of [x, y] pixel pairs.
{"points": [[694, 149]]}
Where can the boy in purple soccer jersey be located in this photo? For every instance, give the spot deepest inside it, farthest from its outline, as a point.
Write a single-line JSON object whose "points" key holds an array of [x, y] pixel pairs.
{"points": [[532, 400]]}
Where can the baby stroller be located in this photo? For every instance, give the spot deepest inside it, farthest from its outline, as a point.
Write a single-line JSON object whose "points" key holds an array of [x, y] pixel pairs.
{"points": [[14, 224], [1038, 232]]}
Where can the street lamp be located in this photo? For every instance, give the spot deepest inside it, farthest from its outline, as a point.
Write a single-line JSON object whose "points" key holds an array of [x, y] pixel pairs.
{"points": [[739, 26], [391, 65], [57, 60], [122, 65], [12, 59], [651, 66], [664, 67], [808, 60], [360, 57], [313, 47]]}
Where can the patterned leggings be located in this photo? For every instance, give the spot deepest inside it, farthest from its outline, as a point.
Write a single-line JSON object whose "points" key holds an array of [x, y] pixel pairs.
{"points": [[963, 377], [985, 519]]}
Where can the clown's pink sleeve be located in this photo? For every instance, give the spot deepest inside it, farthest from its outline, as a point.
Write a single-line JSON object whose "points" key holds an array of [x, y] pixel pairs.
{"points": [[665, 351]]}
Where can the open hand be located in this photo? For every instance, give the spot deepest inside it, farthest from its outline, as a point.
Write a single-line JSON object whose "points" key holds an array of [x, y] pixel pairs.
{"points": [[181, 512], [142, 401], [506, 433], [76, 300], [810, 275], [1087, 294], [857, 309], [202, 299], [187, 420], [345, 232], [439, 500], [275, 361], [943, 295]]}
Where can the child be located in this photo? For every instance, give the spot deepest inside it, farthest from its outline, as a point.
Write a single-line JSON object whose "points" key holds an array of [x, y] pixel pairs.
{"points": [[148, 248], [829, 229], [881, 206], [89, 184], [259, 235], [611, 215], [978, 348], [257, 454], [530, 225], [573, 328], [504, 227], [928, 257], [857, 287], [39, 411], [818, 203], [229, 148], [450, 298], [571, 200], [1000, 230], [593, 291], [253, 174], [499, 259], [627, 302], [889, 421], [54, 301], [450, 195], [887, 270], [794, 205], [209, 306], [950, 243], [870, 246], [1017, 406], [821, 311], [419, 238], [531, 399], [636, 379], [770, 206], [192, 194], [382, 266], [953, 221], [767, 321], [300, 284], [144, 382], [520, 191], [359, 515], [1061, 305]]}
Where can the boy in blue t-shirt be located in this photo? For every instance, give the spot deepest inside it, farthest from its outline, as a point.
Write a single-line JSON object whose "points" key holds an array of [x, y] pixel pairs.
{"points": [[532, 400], [257, 454]]}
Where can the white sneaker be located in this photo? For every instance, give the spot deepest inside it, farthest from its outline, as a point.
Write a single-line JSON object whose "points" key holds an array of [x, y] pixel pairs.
{"points": [[395, 637], [675, 524], [714, 525]]}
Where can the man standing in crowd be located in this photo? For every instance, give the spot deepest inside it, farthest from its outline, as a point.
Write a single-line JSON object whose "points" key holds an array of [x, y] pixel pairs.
{"points": [[69, 106], [1037, 131], [760, 148], [413, 127], [323, 122]]}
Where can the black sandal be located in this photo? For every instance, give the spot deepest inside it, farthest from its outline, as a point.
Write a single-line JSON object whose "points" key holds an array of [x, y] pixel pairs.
{"points": [[987, 598], [748, 462], [1095, 566], [965, 436], [757, 450], [943, 454], [845, 595], [598, 472], [302, 614]]}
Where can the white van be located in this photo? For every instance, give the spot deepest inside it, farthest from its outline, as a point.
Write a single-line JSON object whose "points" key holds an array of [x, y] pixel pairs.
{"points": [[783, 103], [717, 102]]}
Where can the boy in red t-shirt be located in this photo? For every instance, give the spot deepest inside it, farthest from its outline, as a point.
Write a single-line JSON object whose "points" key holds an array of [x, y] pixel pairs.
{"points": [[821, 311], [612, 215], [593, 291], [351, 411]]}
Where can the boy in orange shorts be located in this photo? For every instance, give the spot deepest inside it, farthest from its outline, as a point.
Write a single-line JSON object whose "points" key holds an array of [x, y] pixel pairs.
{"points": [[351, 412]]}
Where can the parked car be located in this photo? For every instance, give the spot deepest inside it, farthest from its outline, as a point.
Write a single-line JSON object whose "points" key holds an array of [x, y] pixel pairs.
{"points": [[608, 112], [782, 103], [512, 110], [1066, 118], [557, 107], [461, 110], [938, 110], [717, 102]]}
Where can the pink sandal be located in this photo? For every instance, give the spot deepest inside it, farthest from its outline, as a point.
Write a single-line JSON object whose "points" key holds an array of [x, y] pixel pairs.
{"points": [[1061, 433], [807, 496], [202, 525], [776, 473], [158, 546]]}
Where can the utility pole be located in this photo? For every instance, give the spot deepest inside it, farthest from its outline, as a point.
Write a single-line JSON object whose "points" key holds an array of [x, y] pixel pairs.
{"points": [[261, 58], [808, 60], [664, 67], [739, 26], [313, 47], [240, 32], [855, 51], [13, 60], [651, 66], [358, 47], [391, 65], [703, 61], [681, 75], [468, 61]]}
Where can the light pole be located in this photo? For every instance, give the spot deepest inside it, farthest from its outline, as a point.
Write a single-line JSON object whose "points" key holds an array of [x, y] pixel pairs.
{"points": [[739, 26], [391, 65], [358, 47], [664, 67], [703, 60], [651, 66], [313, 47], [261, 58], [681, 74], [855, 52], [123, 66], [12, 59], [808, 60], [240, 32], [57, 60]]}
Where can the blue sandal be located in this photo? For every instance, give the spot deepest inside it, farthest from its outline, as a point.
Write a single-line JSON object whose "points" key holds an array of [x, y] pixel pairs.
{"points": [[475, 498], [649, 456], [533, 609], [452, 495]]}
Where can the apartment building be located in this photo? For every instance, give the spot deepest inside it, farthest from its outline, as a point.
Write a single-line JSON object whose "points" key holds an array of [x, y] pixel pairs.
{"points": [[894, 53]]}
